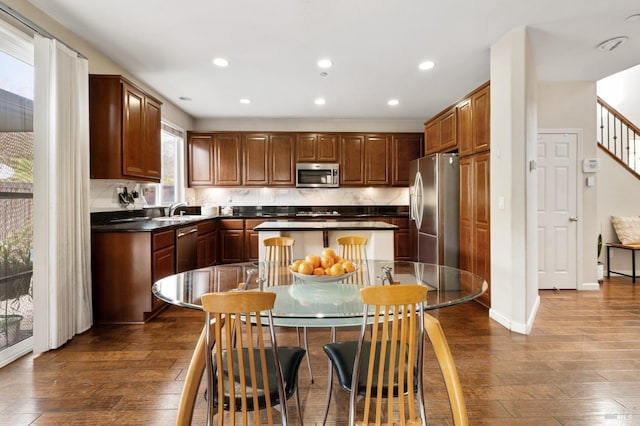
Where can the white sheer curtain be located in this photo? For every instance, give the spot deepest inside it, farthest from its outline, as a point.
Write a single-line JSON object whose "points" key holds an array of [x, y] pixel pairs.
{"points": [[62, 239]]}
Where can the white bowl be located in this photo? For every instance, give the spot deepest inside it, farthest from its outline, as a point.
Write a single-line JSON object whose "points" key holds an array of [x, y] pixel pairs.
{"points": [[322, 278]]}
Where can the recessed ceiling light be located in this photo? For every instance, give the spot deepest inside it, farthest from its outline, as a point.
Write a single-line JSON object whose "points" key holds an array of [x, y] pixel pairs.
{"points": [[426, 65], [393, 102], [245, 101], [325, 63], [320, 101], [612, 43], [221, 62], [184, 98]]}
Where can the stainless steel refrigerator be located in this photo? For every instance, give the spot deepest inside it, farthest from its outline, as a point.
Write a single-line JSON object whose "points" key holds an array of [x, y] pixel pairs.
{"points": [[434, 207]]}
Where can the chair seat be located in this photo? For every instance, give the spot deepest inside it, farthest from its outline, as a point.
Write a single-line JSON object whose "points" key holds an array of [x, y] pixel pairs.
{"points": [[290, 359], [343, 355]]}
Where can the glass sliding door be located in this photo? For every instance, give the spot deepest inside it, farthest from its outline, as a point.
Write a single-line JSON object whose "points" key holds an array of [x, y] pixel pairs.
{"points": [[16, 193]]}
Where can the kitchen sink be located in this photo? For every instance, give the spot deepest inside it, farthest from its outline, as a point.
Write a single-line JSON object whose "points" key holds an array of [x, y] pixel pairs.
{"points": [[183, 218]]}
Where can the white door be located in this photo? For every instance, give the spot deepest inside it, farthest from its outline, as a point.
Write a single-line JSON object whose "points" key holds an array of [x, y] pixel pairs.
{"points": [[557, 207]]}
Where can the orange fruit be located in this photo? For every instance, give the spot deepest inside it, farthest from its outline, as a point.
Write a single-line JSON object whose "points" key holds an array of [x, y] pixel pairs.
{"points": [[326, 261], [349, 266], [336, 269], [318, 271], [329, 252], [313, 259], [296, 265], [305, 268]]}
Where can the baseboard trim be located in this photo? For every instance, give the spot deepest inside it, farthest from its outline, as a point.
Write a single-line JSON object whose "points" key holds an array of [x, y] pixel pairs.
{"points": [[589, 286], [514, 326]]}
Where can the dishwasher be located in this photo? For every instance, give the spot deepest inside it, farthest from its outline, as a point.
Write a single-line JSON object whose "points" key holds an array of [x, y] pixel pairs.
{"points": [[186, 248]]}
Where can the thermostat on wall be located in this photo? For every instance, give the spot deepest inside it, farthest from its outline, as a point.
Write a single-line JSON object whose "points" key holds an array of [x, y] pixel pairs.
{"points": [[591, 165]]}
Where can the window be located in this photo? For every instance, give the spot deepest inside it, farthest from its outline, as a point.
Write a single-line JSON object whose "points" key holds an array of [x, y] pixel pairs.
{"points": [[171, 186]]}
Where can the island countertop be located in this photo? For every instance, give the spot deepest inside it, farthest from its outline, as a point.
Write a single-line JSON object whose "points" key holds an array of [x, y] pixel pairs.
{"points": [[310, 225]]}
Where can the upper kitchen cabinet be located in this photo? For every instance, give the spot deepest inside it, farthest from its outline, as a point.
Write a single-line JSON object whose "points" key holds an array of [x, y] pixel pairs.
{"points": [[200, 159], [440, 132], [365, 159], [473, 122], [404, 148], [317, 148], [214, 159], [124, 126], [268, 159], [352, 159]]}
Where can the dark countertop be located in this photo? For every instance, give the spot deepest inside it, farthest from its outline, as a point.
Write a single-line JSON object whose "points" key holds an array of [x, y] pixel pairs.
{"points": [[312, 225], [141, 220]]}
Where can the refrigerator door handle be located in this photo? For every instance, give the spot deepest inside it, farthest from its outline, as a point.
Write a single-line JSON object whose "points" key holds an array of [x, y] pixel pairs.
{"points": [[418, 207]]}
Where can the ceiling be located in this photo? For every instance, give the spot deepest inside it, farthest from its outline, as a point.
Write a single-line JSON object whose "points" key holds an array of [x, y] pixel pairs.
{"points": [[375, 45]]}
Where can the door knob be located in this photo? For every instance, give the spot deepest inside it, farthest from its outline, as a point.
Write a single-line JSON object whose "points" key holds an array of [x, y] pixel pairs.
{"points": [[573, 219]]}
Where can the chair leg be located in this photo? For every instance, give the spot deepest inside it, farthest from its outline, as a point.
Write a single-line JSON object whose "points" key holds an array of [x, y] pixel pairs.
{"points": [[306, 346], [329, 382]]}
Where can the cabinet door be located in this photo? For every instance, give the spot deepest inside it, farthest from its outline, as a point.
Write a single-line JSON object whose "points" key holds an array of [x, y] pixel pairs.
{"points": [[251, 242], [255, 153], [432, 136], [352, 160], [404, 148], [306, 148], [481, 120], [133, 132], [327, 149], [151, 146], [465, 128], [207, 249], [402, 239], [227, 160], [164, 264], [281, 154], [448, 141], [377, 167], [465, 231], [200, 160], [231, 246]]}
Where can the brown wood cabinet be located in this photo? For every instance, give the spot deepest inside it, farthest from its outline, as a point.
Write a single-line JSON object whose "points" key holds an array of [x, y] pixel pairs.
{"points": [[402, 239], [227, 160], [440, 132], [365, 160], [404, 149], [124, 128], [465, 128], [207, 243], [200, 160], [124, 267], [474, 230], [480, 102], [268, 159], [317, 147], [352, 159], [231, 239], [251, 243]]}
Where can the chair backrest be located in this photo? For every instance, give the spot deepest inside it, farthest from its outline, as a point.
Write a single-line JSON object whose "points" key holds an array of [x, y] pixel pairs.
{"points": [[354, 249], [390, 365], [240, 380], [278, 256]]}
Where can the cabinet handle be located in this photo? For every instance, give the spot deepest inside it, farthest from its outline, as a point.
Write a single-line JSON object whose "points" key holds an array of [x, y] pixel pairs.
{"points": [[183, 233]]}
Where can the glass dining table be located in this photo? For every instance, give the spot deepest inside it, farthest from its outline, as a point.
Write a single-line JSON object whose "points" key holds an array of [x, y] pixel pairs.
{"points": [[307, 301]]}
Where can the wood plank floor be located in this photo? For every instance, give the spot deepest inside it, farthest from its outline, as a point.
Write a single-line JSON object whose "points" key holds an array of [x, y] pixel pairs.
{"points": [[579, 366]]}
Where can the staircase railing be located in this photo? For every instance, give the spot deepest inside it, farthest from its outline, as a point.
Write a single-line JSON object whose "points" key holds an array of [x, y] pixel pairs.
{"points": [[619, 137]]}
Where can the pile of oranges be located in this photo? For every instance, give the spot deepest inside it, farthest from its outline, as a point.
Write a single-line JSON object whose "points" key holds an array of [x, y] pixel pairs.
{"points": [[328, 263]]}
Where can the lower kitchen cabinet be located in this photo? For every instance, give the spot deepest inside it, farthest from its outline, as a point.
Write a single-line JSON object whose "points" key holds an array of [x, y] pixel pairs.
{"points": [[402, 239], [124, 267], [231, 240], [207, 243], [251, 243]]}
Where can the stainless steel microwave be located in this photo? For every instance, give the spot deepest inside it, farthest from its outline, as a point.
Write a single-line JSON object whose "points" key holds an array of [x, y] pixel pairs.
{"points": [[317, 175]]}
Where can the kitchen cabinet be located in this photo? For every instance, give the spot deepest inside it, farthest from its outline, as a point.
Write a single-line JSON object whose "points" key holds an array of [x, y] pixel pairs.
{"points": [[317, 148], [473, 122], [268, 159], [207, 243], [365, 160], [404, 149], [200, 160], [440, 132], [474, 228], [402, 240], [231, 239], [227, 148], [124, 266], [251, 244], [124, 130]]}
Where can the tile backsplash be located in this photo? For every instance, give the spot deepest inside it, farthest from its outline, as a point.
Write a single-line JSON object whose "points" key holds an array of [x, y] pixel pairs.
{"points": [[104, 196]]}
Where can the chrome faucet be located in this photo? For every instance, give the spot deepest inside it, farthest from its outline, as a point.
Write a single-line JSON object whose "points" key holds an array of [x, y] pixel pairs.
{"points": [[174, 206]]}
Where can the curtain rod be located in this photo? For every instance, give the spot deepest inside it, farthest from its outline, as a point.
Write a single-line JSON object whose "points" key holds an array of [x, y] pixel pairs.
{"points": [[35, 27]]}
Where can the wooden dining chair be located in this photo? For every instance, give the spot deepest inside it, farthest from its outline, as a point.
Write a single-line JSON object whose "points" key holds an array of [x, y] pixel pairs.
{"points": [[354, 249], [390, 365], [278, 257], [244, 375]]}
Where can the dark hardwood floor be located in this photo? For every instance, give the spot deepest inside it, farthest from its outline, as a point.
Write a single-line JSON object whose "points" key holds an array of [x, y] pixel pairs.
{"points": [[579, 366]]}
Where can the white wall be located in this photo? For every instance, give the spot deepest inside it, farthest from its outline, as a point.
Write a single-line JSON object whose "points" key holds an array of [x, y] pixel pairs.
{"points": [[621, 91], [513, 245], [572, 105], [308, 125]]}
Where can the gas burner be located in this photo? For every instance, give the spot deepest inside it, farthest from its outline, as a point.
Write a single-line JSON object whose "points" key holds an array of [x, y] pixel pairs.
{"points": [[313, 214]]}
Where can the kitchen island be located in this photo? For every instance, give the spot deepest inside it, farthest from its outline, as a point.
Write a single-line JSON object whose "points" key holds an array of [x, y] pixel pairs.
{"points": [[314, 236]]}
